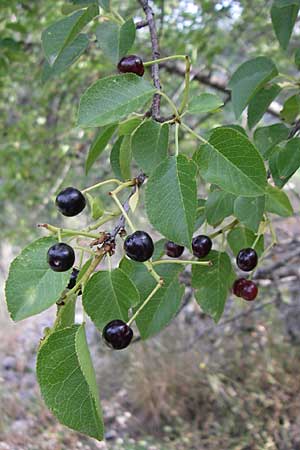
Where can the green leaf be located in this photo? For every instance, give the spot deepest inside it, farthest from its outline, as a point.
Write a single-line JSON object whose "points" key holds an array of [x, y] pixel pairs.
{"points": [[171, 199], [116, 41], [231, 161], [98, 145], [96, 205], [248, 79], [219, 205], [125, 157], [249, 211], [260, 103], [213, 283], [68, 56], [128, 126], [241, 237], [105, 4], [291, 109], [297, 58], [159, 249], [284, 15], [266, 138], [150, 145], [67, 380], [31, 286], [62, 33], [66, 313], [163, 306], [205, 103], [77, 4], [115, 157], [200, 213], [112, 98], [108, 296], [285, 161], [277, 202]]}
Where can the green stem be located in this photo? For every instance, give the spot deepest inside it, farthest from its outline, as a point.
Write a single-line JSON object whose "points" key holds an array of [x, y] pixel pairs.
{"points": [[152, 272], [117, 16], [69, 232], [226, 228], [84, 249], [193, 133], [181, 261], [166, 58], [157, 287], [186, 92], [98, 258], [102, 183], [171, 103], [115, 198], [59, 235], [176, 139], [102, 221]]}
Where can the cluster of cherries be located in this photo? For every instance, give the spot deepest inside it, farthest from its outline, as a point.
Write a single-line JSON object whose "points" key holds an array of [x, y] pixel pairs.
{"points": [[139, 247]]}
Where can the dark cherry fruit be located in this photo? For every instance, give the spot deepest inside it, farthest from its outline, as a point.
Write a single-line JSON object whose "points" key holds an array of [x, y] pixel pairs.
{"points": [[173, 250], [60, 257], [117, 334], [249, 290], [247, 259], [201, 245], [73, 278], [131, 64], [70, 202], [237, 286], [139, 246]]}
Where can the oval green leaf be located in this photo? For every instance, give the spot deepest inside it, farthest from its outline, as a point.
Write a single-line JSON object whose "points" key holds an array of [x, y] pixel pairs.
{"points": [[67, 380], [31, 286], [231, 161], [108, 296], [171, 199], [112, 98]]}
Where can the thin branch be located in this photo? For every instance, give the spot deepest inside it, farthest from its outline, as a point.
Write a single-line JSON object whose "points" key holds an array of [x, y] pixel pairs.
{"points": [[141, 24], [155, 55]]}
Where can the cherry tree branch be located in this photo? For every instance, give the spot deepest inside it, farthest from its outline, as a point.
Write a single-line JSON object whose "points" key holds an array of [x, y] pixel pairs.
{"points": [[155, 55]]}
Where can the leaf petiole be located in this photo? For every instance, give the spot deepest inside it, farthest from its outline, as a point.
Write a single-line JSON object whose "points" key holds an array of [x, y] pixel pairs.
{"points": [[157, 287], [182, 261]]}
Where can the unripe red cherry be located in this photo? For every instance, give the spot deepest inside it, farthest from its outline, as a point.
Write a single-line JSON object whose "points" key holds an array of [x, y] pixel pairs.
{"points": [[201, 246], [249, 290], [237, 286], [173, 250], [247, 259], [117, 334], [131, 64]]}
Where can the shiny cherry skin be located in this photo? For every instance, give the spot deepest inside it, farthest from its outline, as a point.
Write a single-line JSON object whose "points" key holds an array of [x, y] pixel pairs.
{"points": [[117, 334], [247, 259], [60, 257], [70, 202], [173, 250], [139, 246], [131, 64], [201, 245]]}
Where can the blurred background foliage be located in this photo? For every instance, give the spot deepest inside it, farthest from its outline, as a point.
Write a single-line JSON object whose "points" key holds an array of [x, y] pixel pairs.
{"points": [[40, 147], [235, 386]]}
